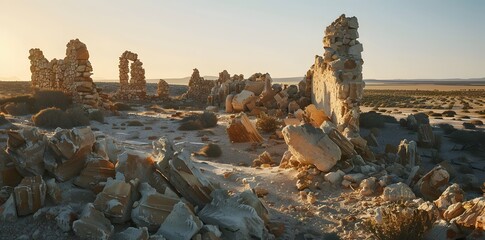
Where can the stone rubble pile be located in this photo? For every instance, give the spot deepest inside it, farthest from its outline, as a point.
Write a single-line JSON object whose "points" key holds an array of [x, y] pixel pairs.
{"points": [[132, 86], [87, 184], [199, 88], [163, 92], [71, 75]]}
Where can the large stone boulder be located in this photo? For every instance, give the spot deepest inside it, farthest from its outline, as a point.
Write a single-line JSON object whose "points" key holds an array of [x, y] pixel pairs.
{"points": [[310, 145]]}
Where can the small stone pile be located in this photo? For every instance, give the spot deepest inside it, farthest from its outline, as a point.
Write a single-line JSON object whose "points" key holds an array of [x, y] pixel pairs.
{"points": [[71, 75], [163, 89], [92, 183], [199, 88], [135, 89]]}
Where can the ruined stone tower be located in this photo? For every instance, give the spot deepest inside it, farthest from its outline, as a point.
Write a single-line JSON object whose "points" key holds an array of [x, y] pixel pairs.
{"points": [[135, 89]]}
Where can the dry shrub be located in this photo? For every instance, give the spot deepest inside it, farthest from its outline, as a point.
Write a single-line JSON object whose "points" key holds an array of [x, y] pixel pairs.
{"points": [[210, 150], [52, 118], [17, 109], [373, 119], [267, 124], [476, 122], [447, 128], [122, 107], [134, 123], [198, 121], [400, 223], [3, 120], [449, 113], [50, 98], [468, 125], [78, 116], [97, 116]]}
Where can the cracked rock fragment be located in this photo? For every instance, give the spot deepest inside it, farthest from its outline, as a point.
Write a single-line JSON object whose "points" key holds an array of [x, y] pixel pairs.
{"points": [[132, 233], [153, 208], [431, 185], [92, 224], [116, 200], [242, 130], [67, 152], [30, 195], [96, 172], [181, 223], [9, 176], [26, 147], [8, 212]]}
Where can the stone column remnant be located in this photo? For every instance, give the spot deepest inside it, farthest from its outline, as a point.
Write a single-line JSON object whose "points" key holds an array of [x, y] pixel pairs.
{"points": [[133, 87]]}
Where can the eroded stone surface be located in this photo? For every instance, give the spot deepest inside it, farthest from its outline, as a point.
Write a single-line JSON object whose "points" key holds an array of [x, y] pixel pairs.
{"points": [[135, 88], [30, 195], [92, 224]]}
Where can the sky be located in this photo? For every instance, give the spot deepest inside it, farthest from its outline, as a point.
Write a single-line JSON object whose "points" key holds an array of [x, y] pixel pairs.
{"points": [[412, 39]]}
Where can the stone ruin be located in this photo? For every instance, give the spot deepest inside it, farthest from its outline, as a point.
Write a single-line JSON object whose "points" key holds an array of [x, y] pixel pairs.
{"points": [[71, 75], [163, 89], [336, 78], [199, 88], [135, 88]]}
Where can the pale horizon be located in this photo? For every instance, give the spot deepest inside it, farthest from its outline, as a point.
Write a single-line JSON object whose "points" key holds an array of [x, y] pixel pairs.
{"points": [[402, 40]]}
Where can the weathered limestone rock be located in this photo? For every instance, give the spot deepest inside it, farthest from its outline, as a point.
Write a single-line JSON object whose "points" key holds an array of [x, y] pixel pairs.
{"points": [[199, 88], [243, 222], [368, 186], [398, 192], [474, 214], [408, 153], [132, 233], [255, 87], [336, 78], [338, 138], [181, 223], [67, 152], [96, 171], [153, 208], [312, 146], [26, 148], [9, 176], [426, 136], [163, 89], [135, 89], [53, 191], [8, 211], [71, 75], [334, 177], [453, 211], [431, 185], [453, 194], [316, 116], [242, 130], [30, 195], [92, 224], [116, 200], [241, 100]]}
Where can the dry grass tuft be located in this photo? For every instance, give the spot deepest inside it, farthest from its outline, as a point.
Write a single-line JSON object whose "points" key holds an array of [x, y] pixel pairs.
{"points": [[267, 123]]}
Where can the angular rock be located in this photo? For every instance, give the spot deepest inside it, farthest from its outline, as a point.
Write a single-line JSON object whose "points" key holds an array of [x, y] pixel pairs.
{"points": [[453, 194], [153, 208], [453, 211], [408, 153], [242, 223], [316, 116], [426, 136], [9, 176], [240, 100], [116, 200], [338, 138], [474, 214], [92, 224], [242, 130], [8, 211], [26, 147], [181, 223], [67, 152], [431, 185], [54, 191], [368, 186], [132, 233], [334, 177], [311, 145], [398, 192], [97, 171], [255, 87], [30, 195]]}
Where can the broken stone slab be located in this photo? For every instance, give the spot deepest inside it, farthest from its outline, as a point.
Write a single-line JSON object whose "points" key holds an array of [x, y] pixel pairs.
{"points": [[153, 208], [453, 194], [316, 116], [8, 211], [92, 224], [453, 211], [9, 176], [53, 191], [338, 138], [311, 145], [426, 137], [133, 164], [30, 195], [116, 200], [132, 233], [474, 214], [281, 99], [398, 192], [163, 149], [255, 87], [334, 177], [181, 223], [67, 152], [408, 153], [187, 179], [96, 171], [241, 99], [236, 220], [431, 185], [26, 148], [107, 149], [241, 129]]}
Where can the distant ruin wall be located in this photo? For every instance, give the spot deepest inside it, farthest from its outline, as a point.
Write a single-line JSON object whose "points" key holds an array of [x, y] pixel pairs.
{"points": [[199, 88], [337, 85], [71, 75], [135, 88]]}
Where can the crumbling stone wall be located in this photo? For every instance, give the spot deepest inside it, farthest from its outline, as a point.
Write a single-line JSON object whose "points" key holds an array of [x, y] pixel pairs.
{"points": [[71, 74], [199, 88], [163, 89], [135, 89], [337, 85]]}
